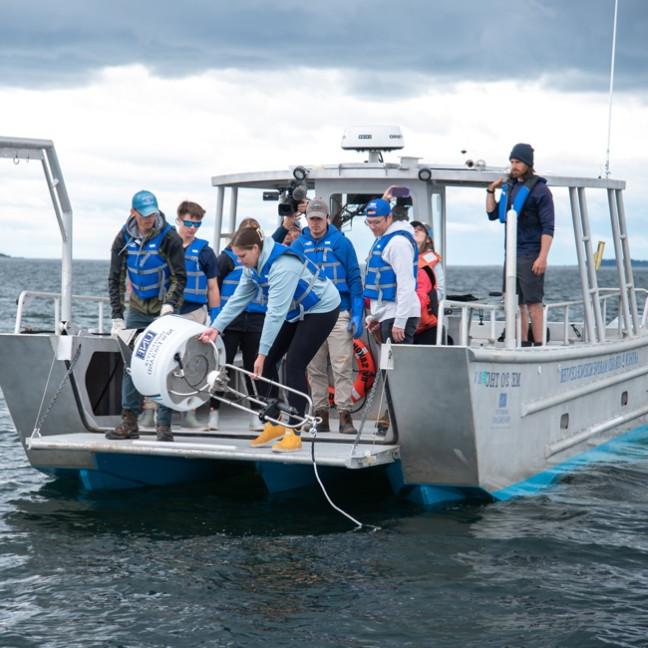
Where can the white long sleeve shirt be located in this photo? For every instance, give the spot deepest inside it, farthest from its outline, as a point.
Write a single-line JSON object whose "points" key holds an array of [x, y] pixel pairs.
{"points": [[399, 253]]}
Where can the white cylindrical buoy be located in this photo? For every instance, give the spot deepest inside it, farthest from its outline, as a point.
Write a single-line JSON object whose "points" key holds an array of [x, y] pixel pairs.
{"points": [[170, 365]]}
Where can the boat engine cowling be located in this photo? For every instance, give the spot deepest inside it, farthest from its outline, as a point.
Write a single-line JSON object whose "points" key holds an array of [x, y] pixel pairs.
{"points": [[171, 366]]}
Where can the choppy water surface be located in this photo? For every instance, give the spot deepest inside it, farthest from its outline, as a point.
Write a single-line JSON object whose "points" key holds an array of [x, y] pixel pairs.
{"points": [[204, 565]]}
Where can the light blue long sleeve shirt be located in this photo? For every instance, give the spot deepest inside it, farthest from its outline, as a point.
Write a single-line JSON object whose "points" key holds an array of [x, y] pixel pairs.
{"points": [[285, 273]]}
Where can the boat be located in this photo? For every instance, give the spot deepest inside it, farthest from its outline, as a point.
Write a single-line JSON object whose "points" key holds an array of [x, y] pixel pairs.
{"points": [[475, 417]]}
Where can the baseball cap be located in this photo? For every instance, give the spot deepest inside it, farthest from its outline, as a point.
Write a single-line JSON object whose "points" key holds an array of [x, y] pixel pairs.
{"points": [[378, 207], [317, 209], [145, 203]]}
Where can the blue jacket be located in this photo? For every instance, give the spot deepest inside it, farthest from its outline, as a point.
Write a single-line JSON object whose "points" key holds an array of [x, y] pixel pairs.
{"points": [[335, 255], [148, 270], [231, 281], [380, 279], [196, 286], [291, 287], [535, 218]]}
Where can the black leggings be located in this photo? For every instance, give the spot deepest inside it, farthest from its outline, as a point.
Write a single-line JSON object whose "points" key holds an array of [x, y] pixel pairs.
{"points": [[299, 342], [248, 342]]}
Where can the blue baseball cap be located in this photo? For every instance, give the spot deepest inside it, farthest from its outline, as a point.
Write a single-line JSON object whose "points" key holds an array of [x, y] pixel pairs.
{"points": [[145, 203], [378, 207]]}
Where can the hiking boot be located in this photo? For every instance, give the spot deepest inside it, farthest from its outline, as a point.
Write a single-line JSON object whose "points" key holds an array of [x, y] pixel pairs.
{"points": [[346, 423], [190, 420], [290, 443], [127, 429], [147, 418], [163, 433], [270, 433], [212, 423], [382, 424], [324, 415]]}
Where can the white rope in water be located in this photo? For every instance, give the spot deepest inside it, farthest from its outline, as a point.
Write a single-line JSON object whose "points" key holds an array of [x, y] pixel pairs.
{"points": [[359, 525]]}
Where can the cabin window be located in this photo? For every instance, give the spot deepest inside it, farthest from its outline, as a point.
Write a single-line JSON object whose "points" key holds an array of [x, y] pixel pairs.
{"points": [[624, 398], [564, 421]]}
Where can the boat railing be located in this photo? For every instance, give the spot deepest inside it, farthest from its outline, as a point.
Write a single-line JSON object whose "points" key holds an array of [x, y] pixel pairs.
{"points": [[494, 314], [606, 295], [27, 295], [448, 307]]}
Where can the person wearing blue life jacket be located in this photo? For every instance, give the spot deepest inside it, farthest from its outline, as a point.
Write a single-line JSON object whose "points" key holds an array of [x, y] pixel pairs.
{"points": [[148, 252], [243, 333], [529, 195], [334, 254], [201, 299], [390, 275], [302, 309]]}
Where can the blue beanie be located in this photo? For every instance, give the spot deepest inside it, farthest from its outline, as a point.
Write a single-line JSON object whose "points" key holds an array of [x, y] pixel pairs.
{"points": [[522, 152]]}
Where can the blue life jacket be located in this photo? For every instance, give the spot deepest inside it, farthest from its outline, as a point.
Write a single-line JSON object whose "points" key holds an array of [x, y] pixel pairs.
{"points": [[305, 296], [520, 197], [196, 287], [380, 280], [322, 254], [148, 270], [232, 280]]}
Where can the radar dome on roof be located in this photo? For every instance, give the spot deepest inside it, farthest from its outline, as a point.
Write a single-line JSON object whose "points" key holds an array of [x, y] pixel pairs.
{"points": [[372, 138]]}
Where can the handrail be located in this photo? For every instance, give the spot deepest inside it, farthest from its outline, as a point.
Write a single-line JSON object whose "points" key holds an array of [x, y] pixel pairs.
{"points": [[466, 308], [56, 298], [464, 325]]}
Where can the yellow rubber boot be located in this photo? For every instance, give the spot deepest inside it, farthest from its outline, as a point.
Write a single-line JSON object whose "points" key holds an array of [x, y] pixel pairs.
{"points": [[290, 443], [269, 434]]}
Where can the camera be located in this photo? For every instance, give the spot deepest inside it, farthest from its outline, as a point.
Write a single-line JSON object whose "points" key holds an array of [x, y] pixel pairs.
{"points": [[291, 197]]}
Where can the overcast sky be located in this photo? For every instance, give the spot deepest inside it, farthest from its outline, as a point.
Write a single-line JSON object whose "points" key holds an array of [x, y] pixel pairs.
{"points": [[163, 95]]}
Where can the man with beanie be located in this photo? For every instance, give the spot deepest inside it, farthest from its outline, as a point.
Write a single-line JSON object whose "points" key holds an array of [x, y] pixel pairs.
{"points": [[529, 195], [335, 255], [149, 252]]}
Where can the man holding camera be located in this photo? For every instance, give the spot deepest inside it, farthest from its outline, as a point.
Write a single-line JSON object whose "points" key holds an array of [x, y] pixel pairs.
{"points": [[335, 255]]}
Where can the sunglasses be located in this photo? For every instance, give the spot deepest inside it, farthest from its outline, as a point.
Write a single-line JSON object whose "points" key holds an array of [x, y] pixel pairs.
{"points": [[190, 223]]}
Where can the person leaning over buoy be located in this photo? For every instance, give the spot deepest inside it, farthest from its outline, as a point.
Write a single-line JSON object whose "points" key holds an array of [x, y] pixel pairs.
{"points": [[302, 308]]}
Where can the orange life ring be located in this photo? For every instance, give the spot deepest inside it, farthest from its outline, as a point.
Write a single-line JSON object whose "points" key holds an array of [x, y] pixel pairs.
{"points": [[366, 373]]}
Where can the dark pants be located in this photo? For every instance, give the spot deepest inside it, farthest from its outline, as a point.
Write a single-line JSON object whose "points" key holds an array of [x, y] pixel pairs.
{"points": [[248, 343], [299, 342], [410, 327], [131, 398], [428, 336]]}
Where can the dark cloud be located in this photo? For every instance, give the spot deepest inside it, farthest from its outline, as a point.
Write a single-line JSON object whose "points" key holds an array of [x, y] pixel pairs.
{"points": [[409, 43]]}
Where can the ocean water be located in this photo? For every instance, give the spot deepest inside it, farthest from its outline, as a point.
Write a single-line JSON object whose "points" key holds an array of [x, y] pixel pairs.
{"points": [[222, 565]]}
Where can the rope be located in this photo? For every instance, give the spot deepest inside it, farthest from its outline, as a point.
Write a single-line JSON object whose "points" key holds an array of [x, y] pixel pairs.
{"points": [[359, 526], [39, 423]]}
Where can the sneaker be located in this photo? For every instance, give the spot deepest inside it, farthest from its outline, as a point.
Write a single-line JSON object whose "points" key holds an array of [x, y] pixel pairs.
{"points": [[163, 433], [212, 423], [290, 443], [147, 418], [270, 433], [190, 420], [255, 422], [346, 423], [127, 429], [324, 415]]}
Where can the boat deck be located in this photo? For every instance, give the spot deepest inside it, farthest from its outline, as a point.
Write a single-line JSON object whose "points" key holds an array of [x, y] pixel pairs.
{"points": [[232, 442]]}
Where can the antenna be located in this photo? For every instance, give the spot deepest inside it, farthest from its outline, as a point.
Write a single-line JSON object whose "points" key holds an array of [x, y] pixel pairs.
{"points": [[614, 29]]}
